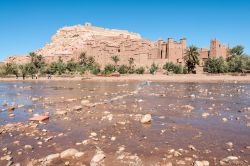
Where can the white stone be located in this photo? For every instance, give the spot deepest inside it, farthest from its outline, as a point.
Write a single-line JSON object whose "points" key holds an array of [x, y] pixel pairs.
{"points": [[68, 153], [99, 156], [146, 118]]}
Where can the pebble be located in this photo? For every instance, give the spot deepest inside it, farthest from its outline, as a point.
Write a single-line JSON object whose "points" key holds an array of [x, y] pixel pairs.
{"points": [[28, 147], [146, 118], [205, 115]]}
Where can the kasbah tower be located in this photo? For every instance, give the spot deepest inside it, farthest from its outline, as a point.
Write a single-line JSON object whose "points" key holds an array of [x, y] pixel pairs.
{"points": [[101, 43]]}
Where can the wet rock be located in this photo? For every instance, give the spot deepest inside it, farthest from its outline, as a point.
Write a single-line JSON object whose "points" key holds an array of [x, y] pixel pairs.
{"points": [[61, 112], [11, 108], [224, 119], [52, 157], [79, 154], [9, 163], [99, 156], [68, 153], [28, 147], [4, 103], [146, 119], [30, 110], [228, 159], [188, 108], [201, 163], [85, 102], [205, 115], [7, 157], [93, 134], [192, 147], [77, 108], [230, 144], [34, 99], [20, 106]]}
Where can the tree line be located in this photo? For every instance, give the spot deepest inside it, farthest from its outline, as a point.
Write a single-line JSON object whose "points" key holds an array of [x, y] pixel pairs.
{"points": [[236, 62]]}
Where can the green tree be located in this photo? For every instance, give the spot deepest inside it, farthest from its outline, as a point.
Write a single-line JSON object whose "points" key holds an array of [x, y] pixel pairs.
{"points": [[237, 50], [216, 65], [238, 63], [191, 58], [10, 68], [72, 66]]}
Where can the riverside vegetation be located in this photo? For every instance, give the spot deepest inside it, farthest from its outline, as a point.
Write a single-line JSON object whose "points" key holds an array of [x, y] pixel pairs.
{"points": [[236, 62]]}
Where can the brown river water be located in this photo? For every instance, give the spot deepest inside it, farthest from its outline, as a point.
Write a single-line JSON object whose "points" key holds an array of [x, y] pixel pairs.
{"points": [[190, 122]]}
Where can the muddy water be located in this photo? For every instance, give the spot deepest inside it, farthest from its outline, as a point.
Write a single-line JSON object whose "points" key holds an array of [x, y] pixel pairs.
{"points": [[115, 116]]}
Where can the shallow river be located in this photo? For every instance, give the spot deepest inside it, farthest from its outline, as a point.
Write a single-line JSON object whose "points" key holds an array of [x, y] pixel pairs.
{"points": [[190, 122]]}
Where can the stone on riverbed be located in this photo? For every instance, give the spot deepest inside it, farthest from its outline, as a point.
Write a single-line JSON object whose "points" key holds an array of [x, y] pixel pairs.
{"points": [[201, 163], [77, 108], [4, 103], [85, 102], [188, 108], [146, 119], [68, 153], [99, 156], [50, 158]]}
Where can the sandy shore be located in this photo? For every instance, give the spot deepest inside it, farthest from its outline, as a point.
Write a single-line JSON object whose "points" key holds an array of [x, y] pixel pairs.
{"points": [[146, 77]]}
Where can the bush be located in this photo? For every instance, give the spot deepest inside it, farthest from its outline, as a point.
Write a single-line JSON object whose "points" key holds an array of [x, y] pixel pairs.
{"points": [[140, 70], [95, 69], [216, 65], [238, 63], [72, 66], [123, 69], [153, 68], [109, 69], [171, 67]]}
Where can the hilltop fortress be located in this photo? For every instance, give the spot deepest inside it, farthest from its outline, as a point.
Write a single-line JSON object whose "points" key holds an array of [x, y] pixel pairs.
{"points": [[103, 43]]}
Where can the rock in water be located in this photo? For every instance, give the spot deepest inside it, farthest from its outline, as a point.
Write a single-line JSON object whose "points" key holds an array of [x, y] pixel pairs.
{"points": [[146, 118], [77, 108], [68, 153], [99, 156], [50, 158], [201, 163], [85, 102]]}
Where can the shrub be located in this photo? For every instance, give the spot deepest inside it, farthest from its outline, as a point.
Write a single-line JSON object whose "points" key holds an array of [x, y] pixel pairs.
{"points": [[237, 63], [72, 66], [140, 70], [95, 69], [109, 69], [153, 68], [123, 69], [216, 65], [171, 67]]}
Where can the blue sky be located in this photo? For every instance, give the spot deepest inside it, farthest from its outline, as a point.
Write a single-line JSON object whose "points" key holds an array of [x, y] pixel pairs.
{"points": [[27, 25]]}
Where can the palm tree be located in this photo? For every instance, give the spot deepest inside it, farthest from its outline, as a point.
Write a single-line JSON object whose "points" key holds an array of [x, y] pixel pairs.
{"points": [[116, 59], [237, 50], [191, 58]]}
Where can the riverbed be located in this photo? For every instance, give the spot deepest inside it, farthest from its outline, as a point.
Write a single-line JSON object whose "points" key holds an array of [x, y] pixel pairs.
{"points": [[190, 122]]}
